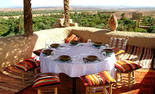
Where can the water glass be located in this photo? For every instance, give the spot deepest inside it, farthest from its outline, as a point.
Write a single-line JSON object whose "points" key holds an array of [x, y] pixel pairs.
{"points": [[106, 46], [89, 41]]}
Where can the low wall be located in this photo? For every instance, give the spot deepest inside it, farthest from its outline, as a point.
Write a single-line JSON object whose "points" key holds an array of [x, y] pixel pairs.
{"points": [[56, 35], [14, 49], [146, 40]]}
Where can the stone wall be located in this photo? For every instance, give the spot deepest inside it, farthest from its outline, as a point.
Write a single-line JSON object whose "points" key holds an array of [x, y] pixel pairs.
{"points": [[14, 49], [146, 40]]}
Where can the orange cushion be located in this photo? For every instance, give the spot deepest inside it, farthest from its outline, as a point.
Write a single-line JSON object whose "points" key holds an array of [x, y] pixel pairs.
{"points": [[71, 38]]}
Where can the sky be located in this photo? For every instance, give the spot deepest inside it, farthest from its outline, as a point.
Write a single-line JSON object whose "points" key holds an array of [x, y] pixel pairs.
{"points": [[104, 3]]}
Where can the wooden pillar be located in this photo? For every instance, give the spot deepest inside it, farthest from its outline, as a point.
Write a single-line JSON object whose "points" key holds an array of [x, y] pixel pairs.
{"points": [[28, 30], [66, 12]]}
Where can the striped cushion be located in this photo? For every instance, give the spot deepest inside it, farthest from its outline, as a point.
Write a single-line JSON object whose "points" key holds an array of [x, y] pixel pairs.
{"points": [[118, 43], [96, 79], [147, 58], [27, 64], [128, 52], [136, 54], [71, 38], [37, 52], [44, 80], [126, 66], [118, 51]]}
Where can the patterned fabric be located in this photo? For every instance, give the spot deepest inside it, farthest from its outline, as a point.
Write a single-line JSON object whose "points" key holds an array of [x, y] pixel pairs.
{"points": [[118, 43], [147, 58], [71, 38], [126, 66], [118, 51], [128, 52], [37, 52], [27, 64], [46, 80], [96, 79], [136, 54]]}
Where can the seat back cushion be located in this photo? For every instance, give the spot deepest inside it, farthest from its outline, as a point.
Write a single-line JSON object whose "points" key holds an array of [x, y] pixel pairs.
{"points": [[97, 79], [72, 37], [118, 43]]}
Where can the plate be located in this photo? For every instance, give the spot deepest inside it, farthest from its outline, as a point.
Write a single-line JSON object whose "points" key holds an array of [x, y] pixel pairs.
{"points": [[91, 58], [55, 45], [47, 51], [64, 58]]}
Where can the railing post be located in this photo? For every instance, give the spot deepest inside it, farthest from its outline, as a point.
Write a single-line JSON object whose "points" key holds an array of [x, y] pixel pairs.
{"points": [[66, 12], [28, 30]]}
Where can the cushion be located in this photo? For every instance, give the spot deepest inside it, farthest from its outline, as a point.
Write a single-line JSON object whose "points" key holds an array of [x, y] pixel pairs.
{"points": [[27, 64], [128, 52], [147, 58], [37, 52], [97, 79], [71, 38], [118, 43], [126, 66], [118, 51], [44, 80]]}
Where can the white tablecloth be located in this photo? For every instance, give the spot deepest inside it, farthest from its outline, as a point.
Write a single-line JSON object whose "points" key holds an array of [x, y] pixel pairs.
{"points": [[76, 67]]}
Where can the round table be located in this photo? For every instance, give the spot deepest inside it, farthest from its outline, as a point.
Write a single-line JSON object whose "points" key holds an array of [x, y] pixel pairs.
{"points": [[76, 66]]}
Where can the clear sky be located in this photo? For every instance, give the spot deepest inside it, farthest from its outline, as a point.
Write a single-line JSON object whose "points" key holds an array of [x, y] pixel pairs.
{"points": [[48, 3]]}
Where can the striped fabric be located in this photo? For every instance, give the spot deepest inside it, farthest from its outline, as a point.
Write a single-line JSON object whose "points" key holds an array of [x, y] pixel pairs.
{"points": [[136, 54], [28, 64], [118, 51], [71, 38], [147, 58], [126, 66], [46, 80], [128, 52], [37, 52], [118, 43], [97, 79]]}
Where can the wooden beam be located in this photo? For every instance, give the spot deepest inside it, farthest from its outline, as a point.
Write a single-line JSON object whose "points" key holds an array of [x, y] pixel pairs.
{"points": [[66, 12], [28, 30]]}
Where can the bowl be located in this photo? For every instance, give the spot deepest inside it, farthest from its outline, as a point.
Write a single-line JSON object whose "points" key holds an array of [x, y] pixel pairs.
{"points": [[74, 42], [55, 45], [64, 58], [91, 58], [47, 51], [109, 50], [98, 44]]}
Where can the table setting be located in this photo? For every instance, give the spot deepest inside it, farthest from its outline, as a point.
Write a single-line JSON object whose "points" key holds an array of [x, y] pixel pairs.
{"points": [[76, 59]]}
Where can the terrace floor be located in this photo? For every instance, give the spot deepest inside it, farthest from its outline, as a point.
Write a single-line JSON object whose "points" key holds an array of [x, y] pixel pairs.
{"points": [[145, 84]]}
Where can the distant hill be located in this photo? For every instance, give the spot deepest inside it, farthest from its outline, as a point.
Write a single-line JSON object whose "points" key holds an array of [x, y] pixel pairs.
{"points": [[121, 8]]}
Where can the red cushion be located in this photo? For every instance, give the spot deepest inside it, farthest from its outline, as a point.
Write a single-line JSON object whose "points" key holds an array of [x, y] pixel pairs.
{"points": [[37, 52], [96, 79], [27, 64], [126, 65], [43, 80], [71, 38]]}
